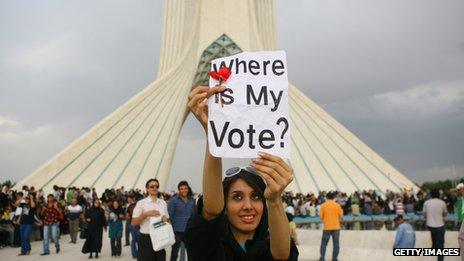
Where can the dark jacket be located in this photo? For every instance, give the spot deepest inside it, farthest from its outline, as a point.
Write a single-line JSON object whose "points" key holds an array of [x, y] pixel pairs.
{"points": [[213, 240]]}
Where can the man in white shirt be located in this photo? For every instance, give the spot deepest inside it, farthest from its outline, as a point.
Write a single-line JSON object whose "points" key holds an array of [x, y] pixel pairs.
{"points": [[74, 213], [151, 206], [434, 212]]}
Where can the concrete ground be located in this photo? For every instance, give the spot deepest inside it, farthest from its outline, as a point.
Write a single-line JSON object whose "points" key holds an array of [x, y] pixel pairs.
{"points": [[355, 245]]}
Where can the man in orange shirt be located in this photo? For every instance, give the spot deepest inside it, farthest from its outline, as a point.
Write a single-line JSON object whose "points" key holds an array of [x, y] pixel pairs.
{"points": [[331, 214]]}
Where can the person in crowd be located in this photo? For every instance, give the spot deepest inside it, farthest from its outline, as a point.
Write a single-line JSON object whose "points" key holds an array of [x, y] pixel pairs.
{"points": [[312, 210], [289, 208], [459, 209], [409, 204], [25, 191], [70, 195], [331, 214], [181, 208], [301, 208], [4, 198], [135, 230], [434, 212], [51, 212], [399, 206], [116, 216], [74, 214], [56, 192], [145, 209], [292, 226], [127, 232], [242, 218], [26, 220], [6, 225], [63, 222], [405, 235], [96, 223]]}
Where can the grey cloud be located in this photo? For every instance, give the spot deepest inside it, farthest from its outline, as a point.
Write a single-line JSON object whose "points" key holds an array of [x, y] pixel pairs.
{"points": [[66, 65]]}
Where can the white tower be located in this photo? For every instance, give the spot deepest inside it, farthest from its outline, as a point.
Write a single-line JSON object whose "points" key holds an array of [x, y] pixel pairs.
{"points": [[137, 141]]}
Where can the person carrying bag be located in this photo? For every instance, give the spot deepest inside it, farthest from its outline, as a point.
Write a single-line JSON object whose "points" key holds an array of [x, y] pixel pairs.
{"points": [[147, 209]]}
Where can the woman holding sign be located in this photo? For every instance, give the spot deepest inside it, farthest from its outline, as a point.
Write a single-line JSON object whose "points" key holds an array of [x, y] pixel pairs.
{"points": [[240, 218]]}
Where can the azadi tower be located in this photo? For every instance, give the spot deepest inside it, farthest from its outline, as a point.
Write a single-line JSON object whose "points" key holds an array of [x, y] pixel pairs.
{"points": [[137, 141]]}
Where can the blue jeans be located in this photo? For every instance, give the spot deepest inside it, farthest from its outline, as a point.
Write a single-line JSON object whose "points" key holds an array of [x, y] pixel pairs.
{"points": [[135, 233], [325, 239], [53, 230], [25, 235]]}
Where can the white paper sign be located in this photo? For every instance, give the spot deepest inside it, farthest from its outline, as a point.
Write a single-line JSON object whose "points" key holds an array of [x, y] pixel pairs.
{"points": [[253, 116]]}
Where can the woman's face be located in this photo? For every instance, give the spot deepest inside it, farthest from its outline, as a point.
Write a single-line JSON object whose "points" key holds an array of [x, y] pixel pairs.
{"points": [[183, 191], [115, 204], [244, 207]]}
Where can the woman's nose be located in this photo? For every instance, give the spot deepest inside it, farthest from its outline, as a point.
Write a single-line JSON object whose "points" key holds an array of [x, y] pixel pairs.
{"points": [[247, 204]]}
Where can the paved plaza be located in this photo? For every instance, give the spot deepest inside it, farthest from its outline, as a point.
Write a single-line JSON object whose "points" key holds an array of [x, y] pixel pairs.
{"points": [[355, 245]]}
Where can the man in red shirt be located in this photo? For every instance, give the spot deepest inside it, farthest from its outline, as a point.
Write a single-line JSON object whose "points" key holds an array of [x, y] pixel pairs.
{"points": [[51, 213]]}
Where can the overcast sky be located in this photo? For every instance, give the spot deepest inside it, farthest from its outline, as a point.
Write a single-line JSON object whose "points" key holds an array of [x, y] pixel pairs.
{"points": [[391, 71]]}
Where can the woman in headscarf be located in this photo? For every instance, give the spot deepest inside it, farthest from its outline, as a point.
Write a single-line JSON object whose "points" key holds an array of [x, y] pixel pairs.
{"points": [[96, 222], [242, 218], [115, 223]]}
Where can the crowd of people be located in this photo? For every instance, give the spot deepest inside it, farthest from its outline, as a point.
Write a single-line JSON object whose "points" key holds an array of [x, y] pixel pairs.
{"points": [[368, 202], [31, 215], [28, 214]]}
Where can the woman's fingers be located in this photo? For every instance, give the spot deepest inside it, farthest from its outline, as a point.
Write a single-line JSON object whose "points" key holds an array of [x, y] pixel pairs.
{"points": [[273, 165], [278, 180], [284, 169], [196, 99], [198, 95], [196, 90], [214, 90]]}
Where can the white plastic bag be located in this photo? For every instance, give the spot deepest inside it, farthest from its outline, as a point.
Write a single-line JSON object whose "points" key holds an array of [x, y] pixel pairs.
{"points": [[161, 234]]}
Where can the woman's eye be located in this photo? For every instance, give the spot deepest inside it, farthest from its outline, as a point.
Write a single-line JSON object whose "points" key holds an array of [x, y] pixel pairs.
{"points": [[237, 197], [256, 197]]}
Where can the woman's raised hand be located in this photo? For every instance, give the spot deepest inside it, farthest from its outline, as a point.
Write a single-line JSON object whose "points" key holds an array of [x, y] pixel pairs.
{"points": [[197, 102], [276, 172]]}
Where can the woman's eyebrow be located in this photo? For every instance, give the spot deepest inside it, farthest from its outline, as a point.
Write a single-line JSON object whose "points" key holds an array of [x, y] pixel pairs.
{"points": [[236, 191]]}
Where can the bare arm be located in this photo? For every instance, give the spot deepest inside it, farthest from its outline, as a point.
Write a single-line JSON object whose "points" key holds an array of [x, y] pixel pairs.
{"points": [[213, 196], [277, 175], [279, 230]]}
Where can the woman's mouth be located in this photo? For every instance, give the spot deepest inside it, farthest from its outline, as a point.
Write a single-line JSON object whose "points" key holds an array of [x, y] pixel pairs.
{"points": [[247, 219]]}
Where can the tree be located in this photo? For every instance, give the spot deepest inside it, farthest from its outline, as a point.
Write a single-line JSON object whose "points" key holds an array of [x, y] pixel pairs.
{"points": [[8, 183]]}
